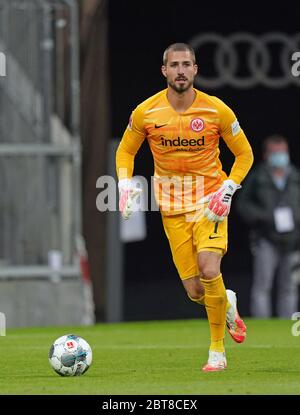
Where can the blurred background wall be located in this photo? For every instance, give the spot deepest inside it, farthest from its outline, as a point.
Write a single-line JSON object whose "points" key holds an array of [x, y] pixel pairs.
{"points": [[43, 275], [75, 70], [95, 134]]}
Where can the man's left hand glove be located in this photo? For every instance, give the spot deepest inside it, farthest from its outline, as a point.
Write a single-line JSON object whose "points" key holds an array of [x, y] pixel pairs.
{"points": [[219, 202]]}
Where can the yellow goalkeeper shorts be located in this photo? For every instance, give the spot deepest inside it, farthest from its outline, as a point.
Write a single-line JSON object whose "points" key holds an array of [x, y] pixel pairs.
{"points": [[189, 235]]}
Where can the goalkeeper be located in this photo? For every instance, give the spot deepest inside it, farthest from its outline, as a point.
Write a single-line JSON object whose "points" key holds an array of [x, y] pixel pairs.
{"points": [[183, 127]]}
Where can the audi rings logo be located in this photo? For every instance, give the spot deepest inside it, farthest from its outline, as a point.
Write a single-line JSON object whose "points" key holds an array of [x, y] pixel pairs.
{"points": [[244, 60]]}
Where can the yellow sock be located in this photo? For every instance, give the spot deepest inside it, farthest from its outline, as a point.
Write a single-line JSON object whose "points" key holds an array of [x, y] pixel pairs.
{"points": [[217, 346], [201, 301], [215, 304]]}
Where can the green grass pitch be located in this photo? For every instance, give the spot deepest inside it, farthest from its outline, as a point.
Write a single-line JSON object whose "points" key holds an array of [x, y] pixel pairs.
{"points": [[149, 358]]}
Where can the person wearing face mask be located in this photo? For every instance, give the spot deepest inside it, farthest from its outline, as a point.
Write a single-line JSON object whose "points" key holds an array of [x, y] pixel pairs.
{"points": [[269, 202]]}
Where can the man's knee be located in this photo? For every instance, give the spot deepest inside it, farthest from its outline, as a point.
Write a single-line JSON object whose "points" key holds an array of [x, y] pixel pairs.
{"points": [[209, 265], [195, 294], [209, 271], [194, 288]]}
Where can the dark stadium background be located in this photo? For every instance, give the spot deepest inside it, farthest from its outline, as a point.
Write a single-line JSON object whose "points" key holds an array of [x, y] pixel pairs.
{"points": [[138, 34]]}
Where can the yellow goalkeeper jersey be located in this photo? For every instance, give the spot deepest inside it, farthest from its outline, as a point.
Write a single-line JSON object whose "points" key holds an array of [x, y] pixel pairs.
{"points": [[185, 146]]}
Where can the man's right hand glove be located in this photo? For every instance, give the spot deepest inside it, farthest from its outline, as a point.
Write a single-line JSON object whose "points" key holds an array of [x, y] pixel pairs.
{"points": [[128, 191]]}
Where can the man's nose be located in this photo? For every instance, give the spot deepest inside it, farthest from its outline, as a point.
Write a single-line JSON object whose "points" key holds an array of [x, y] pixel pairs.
{"points": [[180, 69]]}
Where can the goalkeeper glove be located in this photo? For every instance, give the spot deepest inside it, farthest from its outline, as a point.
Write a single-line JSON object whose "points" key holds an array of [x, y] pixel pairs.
{"points": [[219, 202], [128, 191]]}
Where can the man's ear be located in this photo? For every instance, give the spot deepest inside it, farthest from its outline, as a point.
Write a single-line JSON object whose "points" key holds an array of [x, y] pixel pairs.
{"points": [[164, 71], [196, 69]]}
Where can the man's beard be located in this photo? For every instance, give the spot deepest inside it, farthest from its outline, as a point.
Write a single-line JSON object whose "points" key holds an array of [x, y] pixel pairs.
{"points": [[181, 88]]}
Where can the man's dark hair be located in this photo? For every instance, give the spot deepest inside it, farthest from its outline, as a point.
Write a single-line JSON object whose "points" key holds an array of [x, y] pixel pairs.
{"points": [[178, 47], [274, 139]]}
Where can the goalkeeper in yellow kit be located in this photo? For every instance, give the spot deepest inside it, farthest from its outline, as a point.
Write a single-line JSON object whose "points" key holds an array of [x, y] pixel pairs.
{"points": [[183, 127]]}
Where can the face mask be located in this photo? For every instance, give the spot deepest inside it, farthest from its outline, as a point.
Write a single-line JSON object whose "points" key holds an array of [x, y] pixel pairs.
{"points": [[279, 159]]}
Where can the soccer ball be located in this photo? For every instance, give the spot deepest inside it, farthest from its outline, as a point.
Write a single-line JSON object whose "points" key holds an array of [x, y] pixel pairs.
{"points": [[70, 355]]}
